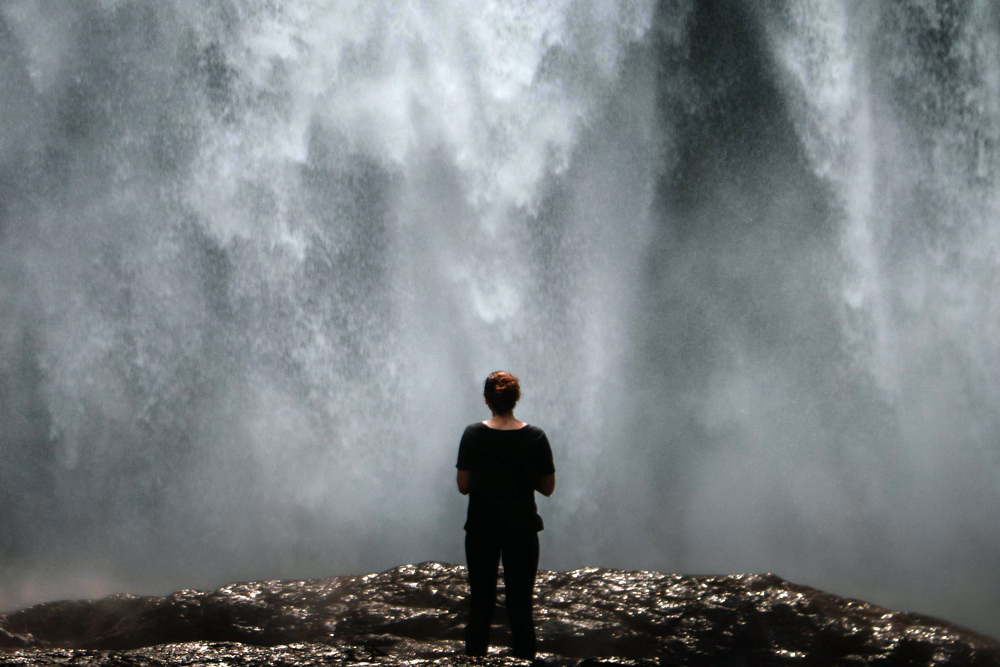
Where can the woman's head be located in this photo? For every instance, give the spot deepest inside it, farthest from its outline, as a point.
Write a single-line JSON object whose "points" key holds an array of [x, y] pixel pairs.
{"points": [[502, 391]]}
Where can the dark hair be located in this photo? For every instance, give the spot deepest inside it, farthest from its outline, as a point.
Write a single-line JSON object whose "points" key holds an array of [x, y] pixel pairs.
{"points": [[502, 391]]}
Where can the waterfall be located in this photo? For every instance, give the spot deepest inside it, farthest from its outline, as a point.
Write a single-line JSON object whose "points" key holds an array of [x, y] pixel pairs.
{"points": [[256, 260]]}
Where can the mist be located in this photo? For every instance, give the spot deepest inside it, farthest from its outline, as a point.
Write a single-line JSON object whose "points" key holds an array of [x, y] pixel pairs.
{"points": [[256, 260]]}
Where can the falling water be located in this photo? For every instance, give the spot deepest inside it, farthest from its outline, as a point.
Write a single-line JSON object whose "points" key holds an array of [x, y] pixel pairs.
{"points": [[256, 259]]}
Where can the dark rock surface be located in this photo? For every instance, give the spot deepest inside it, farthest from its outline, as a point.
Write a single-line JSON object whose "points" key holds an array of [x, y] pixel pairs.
{"points": [[414, 614]]}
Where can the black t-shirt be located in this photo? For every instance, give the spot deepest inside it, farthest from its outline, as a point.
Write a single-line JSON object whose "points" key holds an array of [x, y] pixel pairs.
{"points": [[505, 466]]}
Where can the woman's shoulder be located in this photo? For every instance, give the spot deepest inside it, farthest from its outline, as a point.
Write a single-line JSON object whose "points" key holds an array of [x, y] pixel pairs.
{"points": [[475, 429], [532, 433], [527, 432]]}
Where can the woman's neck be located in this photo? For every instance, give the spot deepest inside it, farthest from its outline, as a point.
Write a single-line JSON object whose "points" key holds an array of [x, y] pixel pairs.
{"points": [[504, 422]]}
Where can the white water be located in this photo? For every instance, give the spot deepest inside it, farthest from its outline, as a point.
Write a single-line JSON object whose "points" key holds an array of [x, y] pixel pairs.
{"points": [[258, 258]]}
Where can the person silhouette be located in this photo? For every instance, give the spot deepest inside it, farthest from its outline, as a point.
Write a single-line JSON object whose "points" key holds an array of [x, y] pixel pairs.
{"points": [[501, 463]]}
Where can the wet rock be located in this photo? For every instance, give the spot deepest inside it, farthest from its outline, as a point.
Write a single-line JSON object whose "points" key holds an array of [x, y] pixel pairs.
{"points": [[415, 614]]}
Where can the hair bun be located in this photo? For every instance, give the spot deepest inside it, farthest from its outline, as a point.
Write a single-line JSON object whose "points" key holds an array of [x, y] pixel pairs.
{"points": [[502, 391]]}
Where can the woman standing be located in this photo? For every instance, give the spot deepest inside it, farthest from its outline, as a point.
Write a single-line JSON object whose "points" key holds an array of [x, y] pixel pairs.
{"points": [[501, 463]]}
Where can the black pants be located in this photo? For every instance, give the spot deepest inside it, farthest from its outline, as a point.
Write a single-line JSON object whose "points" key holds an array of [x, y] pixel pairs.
{"points": [[483, 550]]}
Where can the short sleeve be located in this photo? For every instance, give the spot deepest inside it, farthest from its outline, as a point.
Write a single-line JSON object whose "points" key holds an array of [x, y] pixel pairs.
{"points": [[543, 457], [464, 453]]}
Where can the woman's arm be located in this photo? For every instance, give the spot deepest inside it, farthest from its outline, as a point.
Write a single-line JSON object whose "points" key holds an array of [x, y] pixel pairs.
{"points": [[464, 479], [546, 484]]}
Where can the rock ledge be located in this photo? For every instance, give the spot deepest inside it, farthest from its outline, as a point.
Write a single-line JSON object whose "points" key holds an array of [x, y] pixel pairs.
{"points": [[415, 614]]}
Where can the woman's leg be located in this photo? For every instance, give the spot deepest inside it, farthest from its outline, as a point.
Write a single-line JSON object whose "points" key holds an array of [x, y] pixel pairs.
{"points": [[520, 565], [482, 553]]}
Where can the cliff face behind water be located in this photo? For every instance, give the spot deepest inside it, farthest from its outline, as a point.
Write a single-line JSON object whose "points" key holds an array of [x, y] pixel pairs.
{"points": [[416, 613]]}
